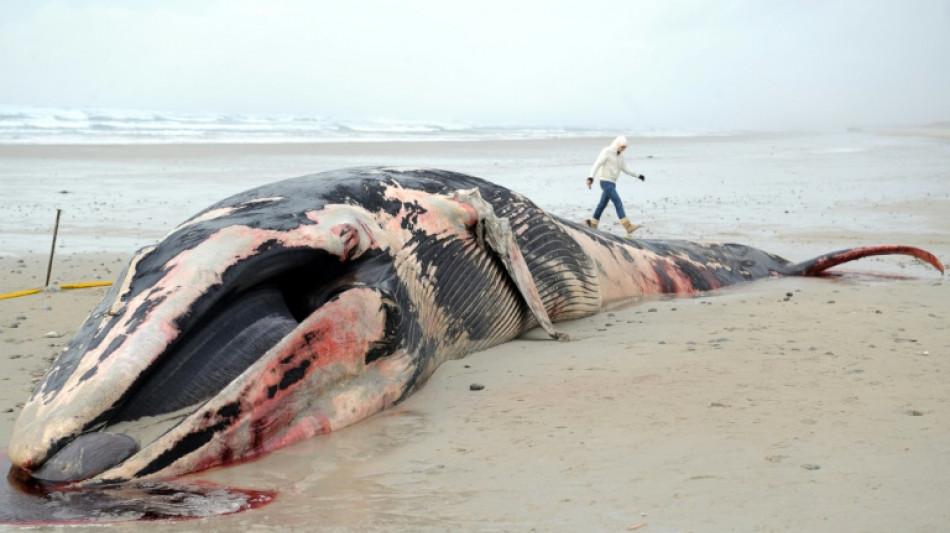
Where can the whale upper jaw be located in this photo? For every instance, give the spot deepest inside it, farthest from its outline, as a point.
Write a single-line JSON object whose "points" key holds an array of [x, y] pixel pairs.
{"points": [[334, 359]]}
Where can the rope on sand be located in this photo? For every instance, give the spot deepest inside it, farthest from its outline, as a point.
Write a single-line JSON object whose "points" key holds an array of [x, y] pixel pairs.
{"points": [[65, 287], [20, 293], [85, 285]]}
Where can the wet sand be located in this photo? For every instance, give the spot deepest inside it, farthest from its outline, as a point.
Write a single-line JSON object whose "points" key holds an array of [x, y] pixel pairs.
{"points": [[785, 405]]}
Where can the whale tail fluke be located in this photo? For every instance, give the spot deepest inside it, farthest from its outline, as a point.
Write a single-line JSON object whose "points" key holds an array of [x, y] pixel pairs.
{"points": [[816, 266]]}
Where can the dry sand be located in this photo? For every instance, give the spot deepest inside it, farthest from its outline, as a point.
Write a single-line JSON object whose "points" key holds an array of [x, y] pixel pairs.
{"points": [[785, 405]]}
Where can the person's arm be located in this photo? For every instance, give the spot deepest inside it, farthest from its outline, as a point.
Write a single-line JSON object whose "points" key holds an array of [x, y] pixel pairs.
{"points": [[626, 168], [597, 164]]}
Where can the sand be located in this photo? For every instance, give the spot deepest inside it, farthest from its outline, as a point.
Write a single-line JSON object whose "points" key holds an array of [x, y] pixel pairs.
{"points": [[784, 405]]}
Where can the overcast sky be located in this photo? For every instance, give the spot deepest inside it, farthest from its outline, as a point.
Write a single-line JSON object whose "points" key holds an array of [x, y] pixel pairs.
{"points": [[761, 64]]}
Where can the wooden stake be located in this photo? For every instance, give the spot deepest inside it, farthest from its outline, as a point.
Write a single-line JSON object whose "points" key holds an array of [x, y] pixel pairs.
{"points": [[49, 268]]}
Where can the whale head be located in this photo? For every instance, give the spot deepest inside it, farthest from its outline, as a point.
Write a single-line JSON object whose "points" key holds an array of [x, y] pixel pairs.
{"points": [[265, 319]]}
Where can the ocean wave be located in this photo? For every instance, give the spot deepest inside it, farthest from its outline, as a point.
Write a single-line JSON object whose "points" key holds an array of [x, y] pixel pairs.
{"points": [[36, 125]]}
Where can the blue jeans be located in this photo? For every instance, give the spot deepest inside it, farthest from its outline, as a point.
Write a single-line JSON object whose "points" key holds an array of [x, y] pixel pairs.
{"points": [[609, 193]]}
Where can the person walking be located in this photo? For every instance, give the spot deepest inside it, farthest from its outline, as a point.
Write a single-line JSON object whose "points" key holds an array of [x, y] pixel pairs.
{"points": [[609, 165]]}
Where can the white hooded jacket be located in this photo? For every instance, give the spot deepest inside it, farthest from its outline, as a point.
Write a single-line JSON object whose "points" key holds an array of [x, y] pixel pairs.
{"points": [[610, 162]]}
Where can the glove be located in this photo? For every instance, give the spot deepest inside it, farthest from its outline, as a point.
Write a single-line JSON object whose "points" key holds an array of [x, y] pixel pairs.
{"points": [[642, 177], [590, 181]]}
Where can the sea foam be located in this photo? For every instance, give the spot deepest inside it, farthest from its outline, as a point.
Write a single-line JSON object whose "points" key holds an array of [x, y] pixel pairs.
{"points": [[44, 125]]}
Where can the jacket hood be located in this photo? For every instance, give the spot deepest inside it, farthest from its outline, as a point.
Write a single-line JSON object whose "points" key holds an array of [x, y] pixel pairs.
{"points": [[621, 140]]}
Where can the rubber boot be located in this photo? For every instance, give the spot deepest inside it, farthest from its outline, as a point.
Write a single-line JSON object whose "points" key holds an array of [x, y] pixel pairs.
{"points": [[592, 222], [629, 226]]}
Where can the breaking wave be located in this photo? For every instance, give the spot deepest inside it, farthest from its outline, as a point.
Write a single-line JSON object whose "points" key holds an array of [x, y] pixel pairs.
{"points": [[37, 125]]}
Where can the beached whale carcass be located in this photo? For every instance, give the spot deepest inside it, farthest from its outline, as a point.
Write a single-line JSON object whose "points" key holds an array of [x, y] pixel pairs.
{"points": [[303, 306]]}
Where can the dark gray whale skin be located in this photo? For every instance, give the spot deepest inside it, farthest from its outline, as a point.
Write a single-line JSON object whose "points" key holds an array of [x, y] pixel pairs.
{"points": [[302, 306]]}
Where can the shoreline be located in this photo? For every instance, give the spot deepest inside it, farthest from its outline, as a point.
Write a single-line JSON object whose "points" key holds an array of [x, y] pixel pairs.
{"points": [[343, 147], [937, 132]]}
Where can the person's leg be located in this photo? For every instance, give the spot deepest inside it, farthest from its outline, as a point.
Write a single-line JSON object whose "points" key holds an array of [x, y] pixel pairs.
{"points": [[621, 214], [604, 198], [629, 226], [615, 198]]}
